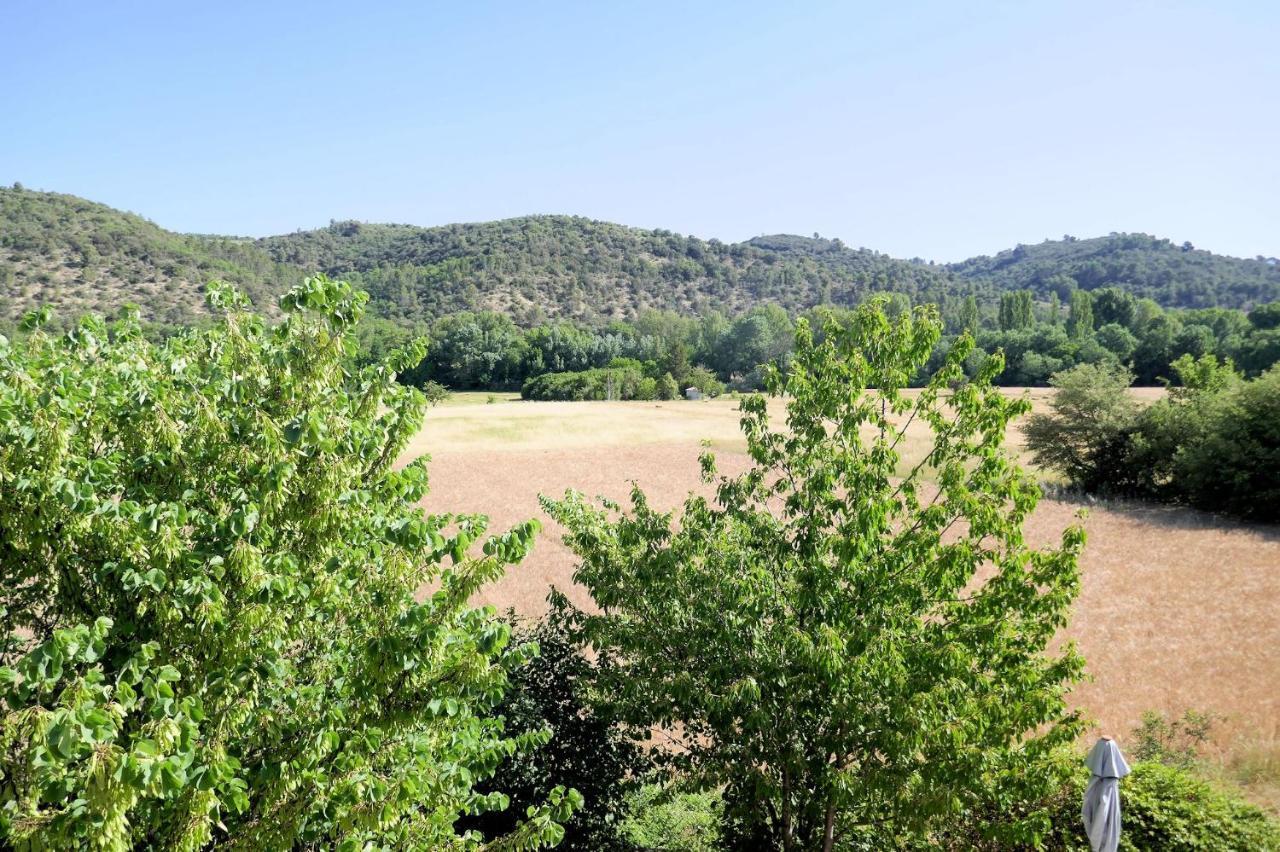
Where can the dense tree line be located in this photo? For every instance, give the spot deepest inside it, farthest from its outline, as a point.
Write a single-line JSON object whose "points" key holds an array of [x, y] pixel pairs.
{"points": [[1109, 326]]}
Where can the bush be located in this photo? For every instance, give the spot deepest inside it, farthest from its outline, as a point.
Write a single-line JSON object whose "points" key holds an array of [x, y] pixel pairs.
{"points": [[208, 567], [667, 387], [1213, 443], [1086, 435], [705, 381], [1170, 809], [601, 383], [1230, 462], [673, 820], [1161, 808]]}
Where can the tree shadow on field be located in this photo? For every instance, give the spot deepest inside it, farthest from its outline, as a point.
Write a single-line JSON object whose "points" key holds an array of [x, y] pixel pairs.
{"points": [[1164, 515]]}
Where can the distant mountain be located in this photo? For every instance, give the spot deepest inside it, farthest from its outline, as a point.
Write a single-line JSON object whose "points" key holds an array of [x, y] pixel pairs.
{"points": [[541, 266], [1173, 275], [75, 255]]}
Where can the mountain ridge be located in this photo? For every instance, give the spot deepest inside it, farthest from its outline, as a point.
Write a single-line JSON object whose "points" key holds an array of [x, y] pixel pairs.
{"points": [[74, 255]]}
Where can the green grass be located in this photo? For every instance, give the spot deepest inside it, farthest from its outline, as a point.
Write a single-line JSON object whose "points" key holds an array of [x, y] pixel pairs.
{"points": [[457, 398]]}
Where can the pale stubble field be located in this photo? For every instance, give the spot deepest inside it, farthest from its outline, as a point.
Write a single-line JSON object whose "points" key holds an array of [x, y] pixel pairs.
{"points": [[1178, 609]]}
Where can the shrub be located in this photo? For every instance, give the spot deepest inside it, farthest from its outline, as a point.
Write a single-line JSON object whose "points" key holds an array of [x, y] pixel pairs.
{"points": [[667, 387], [705, 381], [673, 820], [601, 383], [1086, 435], [1230, 462], [208, 567], [1172, 742], [1170, 809], [1162, 808]]}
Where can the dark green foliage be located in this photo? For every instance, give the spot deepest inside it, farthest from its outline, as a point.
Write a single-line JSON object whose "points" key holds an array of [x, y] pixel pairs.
{"points": [[1080, 319], [1229, 462], [585, 751], [606, 383], [667, 387], [1087, 433], [1163, 809], [1016, 310]]}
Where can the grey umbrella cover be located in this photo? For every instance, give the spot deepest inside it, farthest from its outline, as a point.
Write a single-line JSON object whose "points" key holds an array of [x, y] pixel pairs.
{"points": [[1102, 796]]}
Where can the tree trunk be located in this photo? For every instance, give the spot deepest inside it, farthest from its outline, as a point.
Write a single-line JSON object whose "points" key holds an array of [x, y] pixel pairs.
{"points": [[829, 828]]}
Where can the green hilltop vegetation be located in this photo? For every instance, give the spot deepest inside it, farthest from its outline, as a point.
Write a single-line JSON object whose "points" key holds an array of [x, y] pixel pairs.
{"points": [[1174, 275], [74, 255]]}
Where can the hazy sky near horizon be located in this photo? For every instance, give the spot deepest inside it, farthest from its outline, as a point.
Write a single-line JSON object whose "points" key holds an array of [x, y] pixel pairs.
{"points": [[932, 129]]}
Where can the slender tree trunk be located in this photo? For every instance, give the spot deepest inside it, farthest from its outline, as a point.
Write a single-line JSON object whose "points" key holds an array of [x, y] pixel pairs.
{"points": [[829, 828], [788, 837]]}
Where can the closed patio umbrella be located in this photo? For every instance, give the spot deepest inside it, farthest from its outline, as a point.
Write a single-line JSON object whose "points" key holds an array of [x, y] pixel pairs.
{"points": [[1102, 796]]}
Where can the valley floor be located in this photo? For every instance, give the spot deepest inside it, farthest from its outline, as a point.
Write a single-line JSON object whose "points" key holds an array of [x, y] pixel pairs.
{"points": [[1178, 608]]}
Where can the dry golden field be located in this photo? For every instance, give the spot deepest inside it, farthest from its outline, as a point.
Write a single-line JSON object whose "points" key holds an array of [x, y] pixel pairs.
{"points": [[1179, 609]]}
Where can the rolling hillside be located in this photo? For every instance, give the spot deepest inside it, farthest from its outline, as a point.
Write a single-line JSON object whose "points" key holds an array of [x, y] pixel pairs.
{"points": [[1174, 275], [75, 255]]}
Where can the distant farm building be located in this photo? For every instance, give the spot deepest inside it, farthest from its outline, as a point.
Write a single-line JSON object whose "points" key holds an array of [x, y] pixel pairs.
{"points": [[692, 393]]}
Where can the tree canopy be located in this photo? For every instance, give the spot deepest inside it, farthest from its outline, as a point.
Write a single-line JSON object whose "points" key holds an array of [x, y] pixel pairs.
{"points": [[209, 569], [852, 651]]}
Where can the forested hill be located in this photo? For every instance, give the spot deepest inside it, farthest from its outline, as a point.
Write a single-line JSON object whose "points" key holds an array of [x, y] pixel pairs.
{"points": [[1175, 275], [539, 266], [74, 255]]}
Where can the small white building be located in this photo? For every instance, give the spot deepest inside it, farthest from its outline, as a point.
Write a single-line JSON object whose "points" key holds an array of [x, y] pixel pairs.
{"points": [[692, 393]]}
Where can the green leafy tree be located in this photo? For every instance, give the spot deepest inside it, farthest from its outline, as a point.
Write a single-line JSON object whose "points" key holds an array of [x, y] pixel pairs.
{"points": [[1117, 340], [848, 650], [209, 563], [1080, 318], [1087, 430], [667, 387], [1113, 305]]}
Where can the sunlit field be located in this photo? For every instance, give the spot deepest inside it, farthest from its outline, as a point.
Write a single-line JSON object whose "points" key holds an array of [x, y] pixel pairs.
{"points": [[1178, 610]]}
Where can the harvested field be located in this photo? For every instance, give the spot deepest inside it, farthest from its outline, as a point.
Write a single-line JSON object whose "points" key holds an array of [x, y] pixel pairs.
{"points": [[1179, 609]]}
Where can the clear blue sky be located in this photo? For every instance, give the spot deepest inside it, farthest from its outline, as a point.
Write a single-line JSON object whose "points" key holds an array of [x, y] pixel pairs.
{"points": [[938, 130]]}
